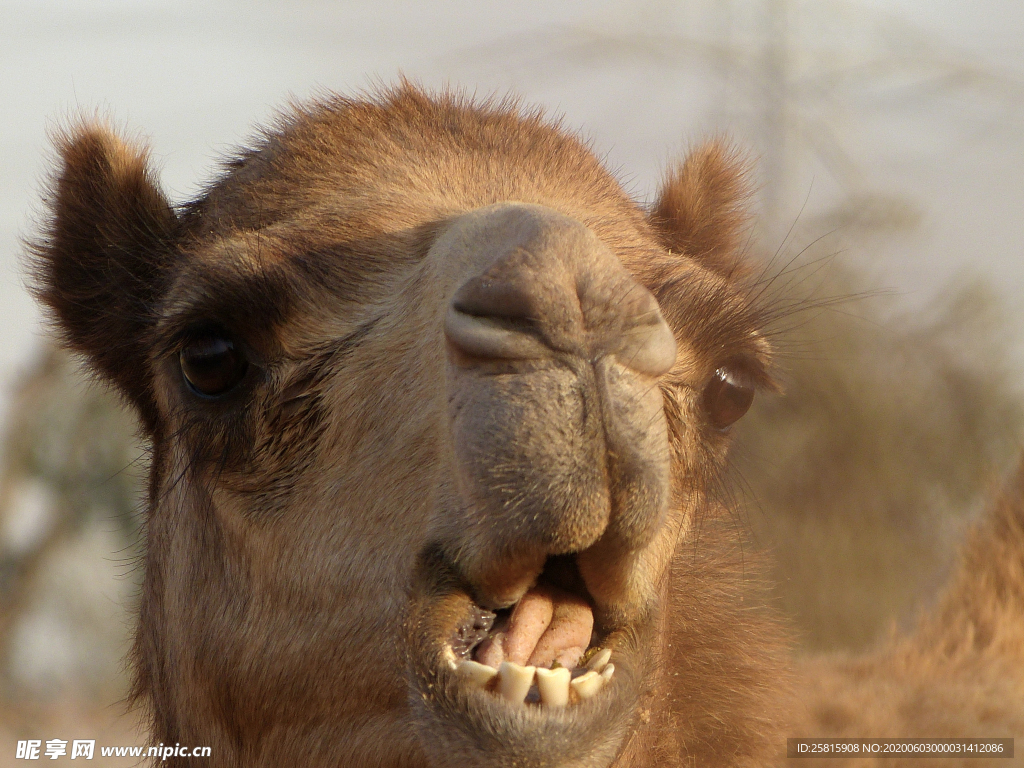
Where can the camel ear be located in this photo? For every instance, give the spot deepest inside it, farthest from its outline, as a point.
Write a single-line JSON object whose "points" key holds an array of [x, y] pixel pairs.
{"points": [[107, 240], [702, 209]]}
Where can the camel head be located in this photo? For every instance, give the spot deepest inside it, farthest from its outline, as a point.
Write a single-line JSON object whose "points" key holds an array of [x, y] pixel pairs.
{"points": [[433, 405]]}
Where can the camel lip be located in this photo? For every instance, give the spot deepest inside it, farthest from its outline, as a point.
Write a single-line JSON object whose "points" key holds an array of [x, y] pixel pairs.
{"points": [[448, 602], [467, 720], [602, 651], [561, 586]]}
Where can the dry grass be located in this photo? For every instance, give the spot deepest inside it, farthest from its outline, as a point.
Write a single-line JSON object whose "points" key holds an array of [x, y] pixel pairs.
{"points": [[893, 430]]}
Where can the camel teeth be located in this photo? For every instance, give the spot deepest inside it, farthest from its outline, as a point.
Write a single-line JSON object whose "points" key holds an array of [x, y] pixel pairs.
{"points": [[449, 656], [587, 685], [515, 681], [477, 675], [607, 672], [597, 663], [554, 686]]}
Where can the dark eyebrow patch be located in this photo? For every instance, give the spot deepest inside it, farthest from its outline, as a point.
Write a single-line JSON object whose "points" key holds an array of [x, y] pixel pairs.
{"points": [[249, 304], [354, 259]]}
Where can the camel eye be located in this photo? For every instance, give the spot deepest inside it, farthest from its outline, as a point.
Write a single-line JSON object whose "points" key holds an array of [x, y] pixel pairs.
{"points": [[726, 398], [212, 365]]}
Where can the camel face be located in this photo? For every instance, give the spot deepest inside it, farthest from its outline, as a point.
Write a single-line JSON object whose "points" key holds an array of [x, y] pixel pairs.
{"points": [[433, 405]]}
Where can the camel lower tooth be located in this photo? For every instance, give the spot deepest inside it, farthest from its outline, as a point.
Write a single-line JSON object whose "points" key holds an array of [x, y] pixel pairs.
{"points": [[607, 672], [587, 685], [554, 686], [515, 681], [449, 656], [477, 675], [599, 660]]}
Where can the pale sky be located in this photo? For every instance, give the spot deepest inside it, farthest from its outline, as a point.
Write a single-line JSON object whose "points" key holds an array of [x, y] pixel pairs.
{"points": [[907, 99]]}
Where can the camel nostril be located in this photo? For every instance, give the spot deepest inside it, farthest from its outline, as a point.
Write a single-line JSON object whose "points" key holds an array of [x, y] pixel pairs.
{"points": [[491, 337], [648, 347], [495, 298], [494, 319], [552, 288]]}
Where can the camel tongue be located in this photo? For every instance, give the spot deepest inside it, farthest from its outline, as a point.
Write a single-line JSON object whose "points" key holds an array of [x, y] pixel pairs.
{"points": [[547, 625]]}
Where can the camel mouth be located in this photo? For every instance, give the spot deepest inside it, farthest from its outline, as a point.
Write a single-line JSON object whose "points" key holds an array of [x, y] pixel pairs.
{"points": [[565, 688], [542, 650]]}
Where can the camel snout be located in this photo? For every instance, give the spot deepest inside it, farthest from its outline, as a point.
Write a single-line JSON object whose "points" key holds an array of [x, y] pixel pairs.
{"points": [[558, 437]]}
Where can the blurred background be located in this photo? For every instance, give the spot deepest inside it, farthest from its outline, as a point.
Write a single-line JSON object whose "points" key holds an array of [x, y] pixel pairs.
{"points": [[889, 141]]}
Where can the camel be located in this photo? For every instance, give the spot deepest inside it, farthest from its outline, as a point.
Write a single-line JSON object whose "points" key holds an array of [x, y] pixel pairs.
{"points": [[439, 419]]}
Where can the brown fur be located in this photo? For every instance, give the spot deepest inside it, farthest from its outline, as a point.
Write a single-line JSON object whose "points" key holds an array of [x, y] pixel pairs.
{"points": [[702, 210], [112, 261], [308, 539]]}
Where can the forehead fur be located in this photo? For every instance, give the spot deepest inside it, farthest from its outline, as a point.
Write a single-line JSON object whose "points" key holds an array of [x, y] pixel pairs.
{"points": [[395, 162]]}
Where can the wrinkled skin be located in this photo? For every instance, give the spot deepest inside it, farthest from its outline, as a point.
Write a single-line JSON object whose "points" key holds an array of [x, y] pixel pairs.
{"points": [[457, 368]]}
